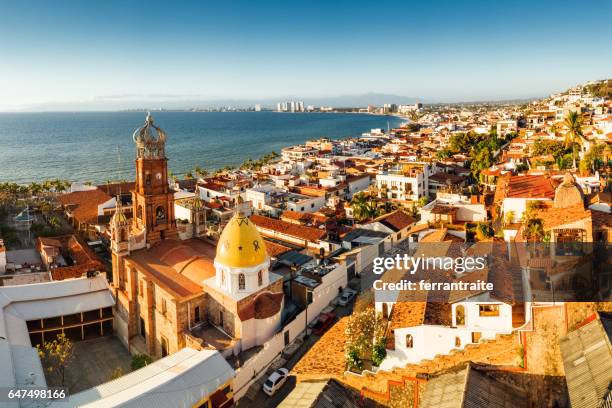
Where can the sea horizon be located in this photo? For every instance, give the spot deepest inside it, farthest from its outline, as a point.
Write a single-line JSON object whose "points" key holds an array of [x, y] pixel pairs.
{"points": [[97, 146]]}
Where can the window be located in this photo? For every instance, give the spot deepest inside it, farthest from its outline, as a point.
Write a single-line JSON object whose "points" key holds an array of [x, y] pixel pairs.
{"points": [[160, 214], [457, 341], [196, 314], [241, 281], [139, 212], [286, 337], [259, 278], [460, 316], [488, 310], [164, 306], [476, 337], [385, 310], [148, 180], [409, 341]]}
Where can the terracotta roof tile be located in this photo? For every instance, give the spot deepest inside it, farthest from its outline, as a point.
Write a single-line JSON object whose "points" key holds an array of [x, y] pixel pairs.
{"points": [[397, 220], [84, 204], [287, 228], [274, 249], [530, 186], [264, 305], [407, 314]]}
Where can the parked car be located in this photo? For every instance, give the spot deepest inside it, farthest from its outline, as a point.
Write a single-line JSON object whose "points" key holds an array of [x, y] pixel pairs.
{"points": [[346, 297], [275, 381], [324, 322]]}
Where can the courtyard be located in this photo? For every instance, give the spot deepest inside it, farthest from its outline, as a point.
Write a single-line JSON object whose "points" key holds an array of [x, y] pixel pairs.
{"points": [[95, 362]]}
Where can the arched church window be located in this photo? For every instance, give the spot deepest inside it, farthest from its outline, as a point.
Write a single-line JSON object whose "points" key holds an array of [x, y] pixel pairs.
{"points": [[409, 341], [148, 180], [160, 214], [259, 278], [241, 282]]}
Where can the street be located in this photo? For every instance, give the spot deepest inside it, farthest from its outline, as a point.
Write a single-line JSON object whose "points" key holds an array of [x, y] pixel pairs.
{"points": [[263, 400]]}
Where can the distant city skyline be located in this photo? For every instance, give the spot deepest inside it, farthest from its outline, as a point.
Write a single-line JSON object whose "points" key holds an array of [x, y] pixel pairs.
{"points": [[72, 55]]}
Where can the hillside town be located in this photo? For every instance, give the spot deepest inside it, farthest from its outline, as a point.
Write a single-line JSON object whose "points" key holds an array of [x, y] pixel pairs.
{"points": [[255, 285]]}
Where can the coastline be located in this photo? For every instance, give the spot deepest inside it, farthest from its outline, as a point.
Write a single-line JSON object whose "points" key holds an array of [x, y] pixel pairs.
{"points": [[198, 147]]}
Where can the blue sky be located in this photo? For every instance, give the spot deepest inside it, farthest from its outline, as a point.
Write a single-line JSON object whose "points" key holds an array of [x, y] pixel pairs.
{"points": [[118, 52]]}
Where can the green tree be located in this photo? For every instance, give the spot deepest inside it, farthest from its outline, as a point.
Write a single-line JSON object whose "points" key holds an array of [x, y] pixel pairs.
{"points": [[363, 330], [140, 360], [57, 355], [363, 207], [484, 231], [593, 159], [534, 229], [379, 352], [573, 124]]}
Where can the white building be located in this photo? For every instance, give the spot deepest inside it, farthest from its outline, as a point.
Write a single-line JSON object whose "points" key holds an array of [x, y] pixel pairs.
{"points": [[300, 152], [23, 306], [184, 379], [405, 183], [452, 207]]}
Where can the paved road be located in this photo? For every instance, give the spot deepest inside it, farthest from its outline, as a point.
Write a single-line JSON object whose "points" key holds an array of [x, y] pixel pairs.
{"points": [[263, 400]]}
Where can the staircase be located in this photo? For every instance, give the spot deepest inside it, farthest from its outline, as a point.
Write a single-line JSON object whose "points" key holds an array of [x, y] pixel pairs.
{"points": [[502, 351]]}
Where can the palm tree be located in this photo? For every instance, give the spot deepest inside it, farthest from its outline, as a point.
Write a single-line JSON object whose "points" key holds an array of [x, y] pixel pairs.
{"points": [[200, 172], [573, 124], [363, 207], [534, 230]]}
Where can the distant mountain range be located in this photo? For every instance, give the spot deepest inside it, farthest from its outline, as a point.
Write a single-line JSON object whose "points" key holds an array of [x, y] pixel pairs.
{"points": [[124, 102], [186, 102]]}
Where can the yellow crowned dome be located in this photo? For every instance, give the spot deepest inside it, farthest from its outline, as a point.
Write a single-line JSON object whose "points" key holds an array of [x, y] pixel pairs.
{"points": [[240, 245]]}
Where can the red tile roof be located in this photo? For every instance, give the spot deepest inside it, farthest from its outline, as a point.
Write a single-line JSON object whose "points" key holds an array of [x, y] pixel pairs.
{"points": [[84, 204], [114, 189], [530, 186], [397, 220], [84, 258], [274, 249], [287, 228], [265, 305]]}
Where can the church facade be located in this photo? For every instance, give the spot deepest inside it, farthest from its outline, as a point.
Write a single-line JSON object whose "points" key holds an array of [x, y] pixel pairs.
{"points": [[171, 293]]}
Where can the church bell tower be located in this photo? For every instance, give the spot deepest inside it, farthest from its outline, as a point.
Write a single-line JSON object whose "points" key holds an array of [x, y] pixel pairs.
{"points": [[152, 198]]}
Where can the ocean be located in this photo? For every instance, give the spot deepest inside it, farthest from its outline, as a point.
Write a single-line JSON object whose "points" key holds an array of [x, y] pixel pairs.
{"points": [[98, 146]]}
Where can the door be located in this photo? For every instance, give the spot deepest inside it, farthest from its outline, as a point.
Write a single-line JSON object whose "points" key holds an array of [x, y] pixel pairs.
{"points": [[164, 346]]}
